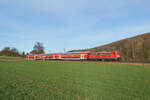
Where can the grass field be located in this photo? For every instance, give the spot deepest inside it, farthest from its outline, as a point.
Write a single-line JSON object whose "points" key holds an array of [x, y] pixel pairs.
{"points": [[6, 58], [47, 80]]}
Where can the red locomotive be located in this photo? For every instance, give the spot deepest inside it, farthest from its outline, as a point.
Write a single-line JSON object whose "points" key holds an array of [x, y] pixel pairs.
{"points": [[114, 55]]}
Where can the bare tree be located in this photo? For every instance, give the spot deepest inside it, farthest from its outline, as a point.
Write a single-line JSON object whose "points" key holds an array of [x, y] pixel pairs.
{"points": [[38, 48], [133, 49]]}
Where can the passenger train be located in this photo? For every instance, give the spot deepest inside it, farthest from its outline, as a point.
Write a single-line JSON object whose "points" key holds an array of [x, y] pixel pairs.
{"points": [[99, 56]]}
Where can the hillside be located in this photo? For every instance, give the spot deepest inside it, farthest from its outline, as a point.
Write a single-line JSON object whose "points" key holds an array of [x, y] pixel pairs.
{"points": [[136, 48]]}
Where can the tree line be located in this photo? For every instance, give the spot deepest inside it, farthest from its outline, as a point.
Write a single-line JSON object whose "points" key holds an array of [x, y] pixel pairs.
{"points": [[8, 51], [38, 48], [135, 50]]}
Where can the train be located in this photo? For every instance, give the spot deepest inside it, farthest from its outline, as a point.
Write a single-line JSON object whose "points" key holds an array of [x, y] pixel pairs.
{"points": [[98, 56]]}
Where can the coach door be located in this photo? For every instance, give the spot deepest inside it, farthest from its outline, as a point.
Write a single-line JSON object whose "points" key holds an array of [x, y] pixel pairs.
{"points": [[82, 56], [53, 56], [59, 56]]}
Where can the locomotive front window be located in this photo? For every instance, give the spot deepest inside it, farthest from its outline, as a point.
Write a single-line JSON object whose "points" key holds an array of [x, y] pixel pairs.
{"points": [[118, 53]]}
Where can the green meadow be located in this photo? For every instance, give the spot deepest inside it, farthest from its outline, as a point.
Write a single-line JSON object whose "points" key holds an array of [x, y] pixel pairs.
{"points": [[49, 80]]}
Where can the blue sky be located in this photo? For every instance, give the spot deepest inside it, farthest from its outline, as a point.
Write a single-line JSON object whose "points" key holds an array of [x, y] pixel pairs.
{"points": [[70, 24]]}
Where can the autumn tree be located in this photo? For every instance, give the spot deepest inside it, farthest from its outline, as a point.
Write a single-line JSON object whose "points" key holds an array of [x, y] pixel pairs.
{"points": [[33, 52]]}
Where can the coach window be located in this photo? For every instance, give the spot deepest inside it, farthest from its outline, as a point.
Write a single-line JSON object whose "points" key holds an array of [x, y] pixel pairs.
{"points": [[94, 53]]}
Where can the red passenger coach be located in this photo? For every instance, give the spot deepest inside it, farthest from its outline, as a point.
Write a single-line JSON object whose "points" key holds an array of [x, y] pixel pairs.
{"points": [[35, 57], [75, 56], [39, 56], [48, 56], [30, 57], [57, 56]]}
